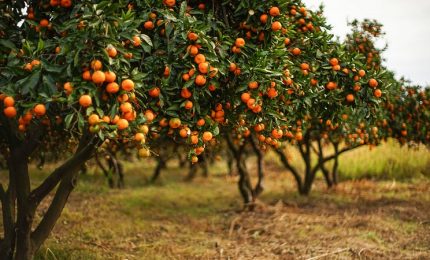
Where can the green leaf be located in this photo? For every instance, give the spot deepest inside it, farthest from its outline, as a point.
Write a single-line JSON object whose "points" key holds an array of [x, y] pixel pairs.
{"points": [[29, 82], [7, 43], [68, 120]]}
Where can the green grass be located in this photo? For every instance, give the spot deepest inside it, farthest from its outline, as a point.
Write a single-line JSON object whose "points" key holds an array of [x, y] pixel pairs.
{"points": [[173, 219]]}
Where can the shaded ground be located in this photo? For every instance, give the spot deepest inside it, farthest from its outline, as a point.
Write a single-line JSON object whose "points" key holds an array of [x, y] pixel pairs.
{"points": [[202, 220]]}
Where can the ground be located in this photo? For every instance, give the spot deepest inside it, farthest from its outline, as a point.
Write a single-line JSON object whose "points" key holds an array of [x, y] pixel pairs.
{"points": [[173, 219]]}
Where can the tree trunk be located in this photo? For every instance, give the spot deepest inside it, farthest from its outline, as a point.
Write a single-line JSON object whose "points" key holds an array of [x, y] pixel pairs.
{"points": [[292, 169], [335, 164], [161, 164], [259, 187], [191, 172]]}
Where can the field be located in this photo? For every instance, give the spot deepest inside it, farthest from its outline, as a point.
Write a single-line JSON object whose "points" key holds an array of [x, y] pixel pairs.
{"points": [[173, 219]]}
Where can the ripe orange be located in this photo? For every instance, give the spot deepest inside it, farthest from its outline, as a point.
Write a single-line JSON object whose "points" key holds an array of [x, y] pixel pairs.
{"points": [[112, 52], [192, 36], [127, 85], [188, 105], [361, 73], [66, 3], [86, 75], [149, 115], [148, 25], [112, 87], [136, 41], [44, 23], [183, 132], [334, 61], [207, 136], [276, 26], [185, 93], [373, 83], [85, 100], [272, 93], [96, 65], [185, 76], [287, 41], [39, 110], [154, 92], [263, 18], [200, 58], [274, 11], [304, 66], [174, 123], [296, 51], [193, 50], [110, 76], [253, 85], [194, 139], [9, 101], [232, 67], [68, 88], [35, 63], [377, 93], [201, 122], [331, 85], [350, 98], [240, 42], [126, 107], [10, 112], [139, 137], [204, 67], [93, 119], [245, 97], [194, 159], [122, 124], [200, 80], [98, 77]]}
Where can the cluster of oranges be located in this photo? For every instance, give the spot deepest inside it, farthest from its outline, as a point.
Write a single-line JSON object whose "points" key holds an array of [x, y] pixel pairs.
{"points": [[10, 111]]}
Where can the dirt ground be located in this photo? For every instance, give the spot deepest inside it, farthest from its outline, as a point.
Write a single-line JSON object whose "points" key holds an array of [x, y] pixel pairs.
{"points": [[203, 220]]}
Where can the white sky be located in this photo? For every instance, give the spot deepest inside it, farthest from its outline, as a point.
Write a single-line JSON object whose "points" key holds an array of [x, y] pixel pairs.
{"points": [[407, 27]]}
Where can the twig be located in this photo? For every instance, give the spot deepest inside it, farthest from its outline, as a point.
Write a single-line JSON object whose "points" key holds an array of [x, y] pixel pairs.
{"points": [[327, 254]]}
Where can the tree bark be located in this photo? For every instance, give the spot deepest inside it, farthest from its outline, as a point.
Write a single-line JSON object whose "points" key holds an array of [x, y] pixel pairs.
{"points": [[259, 187], [336, 163]]}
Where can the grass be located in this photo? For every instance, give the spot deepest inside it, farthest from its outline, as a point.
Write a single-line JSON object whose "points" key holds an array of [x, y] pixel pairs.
{"points": [[173, 219]]}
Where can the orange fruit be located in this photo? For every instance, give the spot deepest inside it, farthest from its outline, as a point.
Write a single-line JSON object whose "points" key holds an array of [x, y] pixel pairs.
{"points": [[296, 51], [263, 18], [148, 25], [204, 67], [136, 41], [334, 61], [183, 132], [287, 41], [127, 85], [139, 137], [39, 110], [110, 76], [377, 93], [10, 112], [149, 115], [9, 101], [232, 67], [192, 36], [86, 75], [194, 139], [276, 26], [98, 77], [112, 87], [154, 92], [194, 159], [200, 58], [274, 11], [207, 136], [174, 123], [122, 124], [350, 98], [201, 122], [193, 50], [185, 93], [96, 65], [68, 88], [240, 42], [188, 105], [44, 23], [361, 73], [93, 119], [85, 100], [200, 80], [126, 107], [245, 97], [112, 52], [35, 63], [253, 85], [373, 83]]}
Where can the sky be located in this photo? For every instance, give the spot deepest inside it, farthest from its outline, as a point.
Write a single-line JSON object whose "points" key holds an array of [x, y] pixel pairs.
{"points": [[407, 27]]}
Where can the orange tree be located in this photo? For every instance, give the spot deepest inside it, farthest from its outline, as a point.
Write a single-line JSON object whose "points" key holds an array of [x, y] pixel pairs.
{"points": [[84, 72], [80, 73]]}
